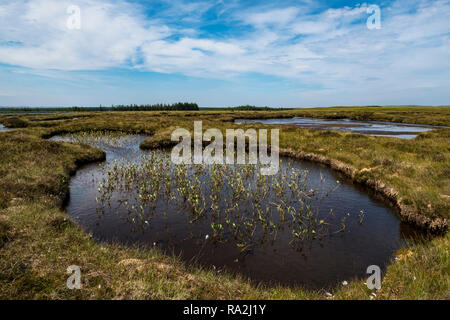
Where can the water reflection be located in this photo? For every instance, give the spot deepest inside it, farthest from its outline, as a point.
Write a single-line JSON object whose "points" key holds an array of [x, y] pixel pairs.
{"points": [[3, 128]]}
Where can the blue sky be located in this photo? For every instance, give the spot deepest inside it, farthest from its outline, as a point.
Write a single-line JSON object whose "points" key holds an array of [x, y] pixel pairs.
{"points": [[224, 53]]}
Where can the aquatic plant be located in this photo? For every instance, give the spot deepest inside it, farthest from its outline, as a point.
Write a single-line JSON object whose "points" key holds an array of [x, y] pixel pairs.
{"points": [[237, 199]]}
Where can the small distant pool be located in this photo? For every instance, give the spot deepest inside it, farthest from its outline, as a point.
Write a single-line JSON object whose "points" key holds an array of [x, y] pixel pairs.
{"points": [[3, 128], [374, 128]]}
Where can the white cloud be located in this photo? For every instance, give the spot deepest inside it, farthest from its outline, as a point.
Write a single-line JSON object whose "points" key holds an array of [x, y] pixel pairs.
{"points": [[110, 34], [273, 17]]}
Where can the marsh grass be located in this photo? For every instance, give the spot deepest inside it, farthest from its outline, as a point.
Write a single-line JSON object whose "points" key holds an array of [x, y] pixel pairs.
{"points": [[99, 138]]}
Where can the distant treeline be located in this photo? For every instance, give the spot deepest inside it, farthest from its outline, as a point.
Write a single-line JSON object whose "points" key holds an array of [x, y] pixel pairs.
{"points": [[186, 106], [254, 108]]}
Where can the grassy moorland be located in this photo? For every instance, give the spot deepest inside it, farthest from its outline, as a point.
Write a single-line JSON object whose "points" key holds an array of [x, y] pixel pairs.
{"points": [[38, 241]]}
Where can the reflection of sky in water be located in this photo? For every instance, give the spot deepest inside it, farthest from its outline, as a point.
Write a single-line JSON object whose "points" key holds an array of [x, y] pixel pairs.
{"points": [[375, 128], [3, 128]]}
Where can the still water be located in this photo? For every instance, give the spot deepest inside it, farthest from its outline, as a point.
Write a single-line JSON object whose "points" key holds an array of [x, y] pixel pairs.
{"points": [[306, 226]]}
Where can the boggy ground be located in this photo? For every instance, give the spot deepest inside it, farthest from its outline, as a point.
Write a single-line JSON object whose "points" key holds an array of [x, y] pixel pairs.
{"points": [[38, 241]]}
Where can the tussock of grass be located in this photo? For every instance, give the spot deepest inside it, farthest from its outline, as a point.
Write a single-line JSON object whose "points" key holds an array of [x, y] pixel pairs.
{"points": [[14, 122]]}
